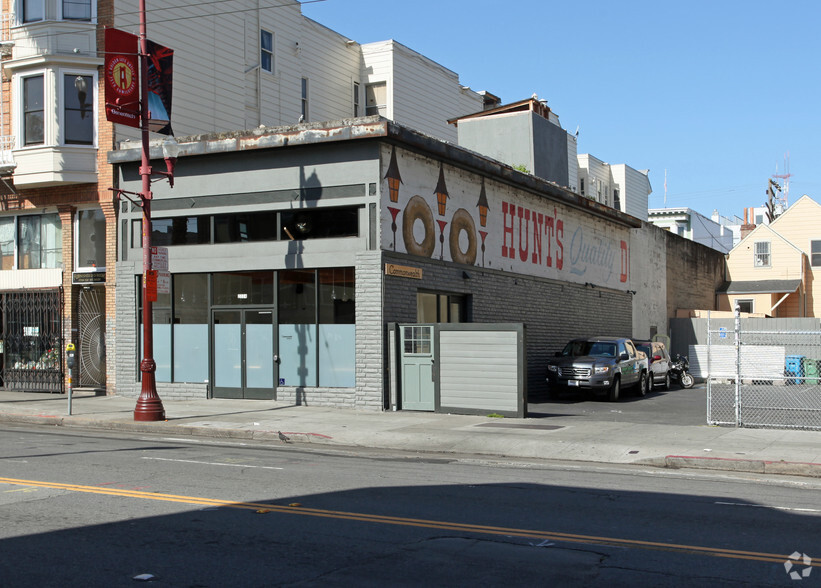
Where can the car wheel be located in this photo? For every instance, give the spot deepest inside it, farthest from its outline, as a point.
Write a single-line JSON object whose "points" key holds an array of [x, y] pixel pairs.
{"points": [[667, 381], [642, 388], [651, 383], [615, 387]]}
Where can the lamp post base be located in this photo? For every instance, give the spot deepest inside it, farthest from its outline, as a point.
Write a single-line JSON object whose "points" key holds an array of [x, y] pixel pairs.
{"points": [[149, 406]]}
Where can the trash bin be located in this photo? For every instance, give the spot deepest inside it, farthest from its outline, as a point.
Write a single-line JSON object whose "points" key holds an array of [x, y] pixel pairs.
{"points": [[794, 367], [810, 370]]}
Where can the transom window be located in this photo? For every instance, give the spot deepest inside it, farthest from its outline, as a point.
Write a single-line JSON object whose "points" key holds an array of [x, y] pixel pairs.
{"points": [[762, 254]]}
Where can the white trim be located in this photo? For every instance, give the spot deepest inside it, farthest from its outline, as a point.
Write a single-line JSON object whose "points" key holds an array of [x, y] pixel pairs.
{"points": [[18, 108], [750, 300]]}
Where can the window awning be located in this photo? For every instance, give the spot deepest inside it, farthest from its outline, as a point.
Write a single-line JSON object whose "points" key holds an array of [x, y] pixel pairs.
{"points": [[759, 287]]}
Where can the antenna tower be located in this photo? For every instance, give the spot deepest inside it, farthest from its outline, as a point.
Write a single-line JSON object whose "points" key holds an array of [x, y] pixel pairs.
{"points": [[783, 193]]}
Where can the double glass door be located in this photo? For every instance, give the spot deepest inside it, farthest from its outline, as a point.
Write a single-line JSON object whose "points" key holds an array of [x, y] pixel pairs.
{"points": [[244, 363]]}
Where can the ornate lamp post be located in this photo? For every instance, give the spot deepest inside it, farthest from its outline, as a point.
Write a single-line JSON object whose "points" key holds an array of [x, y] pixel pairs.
{"points": [[149, 406]]}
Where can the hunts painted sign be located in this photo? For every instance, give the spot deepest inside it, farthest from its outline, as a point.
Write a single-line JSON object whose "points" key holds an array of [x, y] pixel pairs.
{"points": [[443, 212]]}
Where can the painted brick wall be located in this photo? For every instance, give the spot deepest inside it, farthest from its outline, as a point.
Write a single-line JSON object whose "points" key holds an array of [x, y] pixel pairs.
{"points": [[554, 312]]}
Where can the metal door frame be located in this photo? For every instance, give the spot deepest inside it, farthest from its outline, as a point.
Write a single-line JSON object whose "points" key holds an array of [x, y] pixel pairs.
{"points": [[244, 392]]}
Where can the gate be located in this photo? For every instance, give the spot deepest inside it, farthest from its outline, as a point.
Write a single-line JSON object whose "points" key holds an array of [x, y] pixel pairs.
{"points": [[462, 368], [91, 322], [32, 340], [760, 377]]}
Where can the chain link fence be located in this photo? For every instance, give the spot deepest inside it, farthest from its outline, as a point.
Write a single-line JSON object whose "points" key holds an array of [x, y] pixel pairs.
{"points": [[761, 378]]}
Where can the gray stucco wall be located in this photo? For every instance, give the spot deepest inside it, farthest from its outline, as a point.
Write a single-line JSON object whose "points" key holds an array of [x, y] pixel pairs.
{"points": [[520, 139], [552, 312]]}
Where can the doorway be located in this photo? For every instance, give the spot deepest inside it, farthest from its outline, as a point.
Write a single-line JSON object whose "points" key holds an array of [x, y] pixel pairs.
{"points": [[417, 367], [244, 363]]}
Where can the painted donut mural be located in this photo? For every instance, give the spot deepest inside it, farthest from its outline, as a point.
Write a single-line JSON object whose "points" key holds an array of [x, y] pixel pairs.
{"points": [[418, 211]]}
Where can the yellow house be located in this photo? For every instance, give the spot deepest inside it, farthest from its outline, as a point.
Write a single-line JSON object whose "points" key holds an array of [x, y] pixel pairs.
{"points": [[772, 270]]}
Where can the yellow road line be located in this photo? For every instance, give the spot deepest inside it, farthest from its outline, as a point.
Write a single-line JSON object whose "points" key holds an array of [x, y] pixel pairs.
{"points": [[412, 522]]}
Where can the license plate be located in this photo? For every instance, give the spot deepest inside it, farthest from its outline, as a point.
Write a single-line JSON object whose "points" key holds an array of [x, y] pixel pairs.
{"points": [[572, 383]]}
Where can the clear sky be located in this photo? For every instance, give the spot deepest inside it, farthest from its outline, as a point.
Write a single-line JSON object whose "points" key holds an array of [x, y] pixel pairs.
{"points": [[719, 93]]}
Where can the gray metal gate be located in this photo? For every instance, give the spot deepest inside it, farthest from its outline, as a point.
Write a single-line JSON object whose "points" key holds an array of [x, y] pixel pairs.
{"points": [[91, 322], [760, 377]]}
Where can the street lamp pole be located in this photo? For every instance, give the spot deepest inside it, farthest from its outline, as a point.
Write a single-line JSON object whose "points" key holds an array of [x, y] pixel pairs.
{"points": [[149, 405]]}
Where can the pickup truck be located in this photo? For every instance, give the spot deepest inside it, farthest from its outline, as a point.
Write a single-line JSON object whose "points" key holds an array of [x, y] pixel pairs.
{"points": [[602, 365]]}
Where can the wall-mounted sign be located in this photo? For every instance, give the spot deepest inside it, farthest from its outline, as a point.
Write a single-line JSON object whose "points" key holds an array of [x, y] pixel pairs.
{"points": [[159, 258], [88, 277], [31, 331], [403, 271]]}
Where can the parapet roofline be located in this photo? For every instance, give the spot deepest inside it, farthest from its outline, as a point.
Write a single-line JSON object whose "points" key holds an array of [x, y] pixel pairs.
{"points": [[369, 127]]}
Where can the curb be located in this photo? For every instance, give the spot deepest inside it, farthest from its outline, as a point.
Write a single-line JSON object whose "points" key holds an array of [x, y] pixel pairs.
{"points": [[756, 466]]}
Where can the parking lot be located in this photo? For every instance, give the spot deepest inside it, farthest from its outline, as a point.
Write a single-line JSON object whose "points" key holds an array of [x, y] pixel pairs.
{"points": [[675, 406]]}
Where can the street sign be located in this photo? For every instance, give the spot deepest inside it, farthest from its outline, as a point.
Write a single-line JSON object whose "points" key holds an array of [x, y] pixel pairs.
{"points": [[151, 285], [159, 258], [163, 282]]}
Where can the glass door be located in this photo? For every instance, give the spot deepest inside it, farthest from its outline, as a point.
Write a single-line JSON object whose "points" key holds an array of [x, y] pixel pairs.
{"points": [[243, 354]]}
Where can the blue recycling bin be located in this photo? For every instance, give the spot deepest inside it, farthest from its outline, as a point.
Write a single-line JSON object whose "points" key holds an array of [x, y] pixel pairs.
{"points": [[794, 366]]}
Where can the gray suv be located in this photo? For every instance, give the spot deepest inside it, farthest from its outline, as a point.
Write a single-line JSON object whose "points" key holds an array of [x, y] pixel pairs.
{"points": [[598, 364]]}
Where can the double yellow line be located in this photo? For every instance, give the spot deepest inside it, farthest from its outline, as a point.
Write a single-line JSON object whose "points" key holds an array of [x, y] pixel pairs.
{"points": [[295, 508]]}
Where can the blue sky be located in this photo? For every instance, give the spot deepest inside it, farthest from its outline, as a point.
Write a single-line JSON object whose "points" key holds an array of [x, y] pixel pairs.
{"points": [[716, 92]]}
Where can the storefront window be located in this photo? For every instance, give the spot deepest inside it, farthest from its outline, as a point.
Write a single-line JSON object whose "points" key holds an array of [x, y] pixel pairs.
{"points": [[297, 327], [337, 329], [190, 327], [39, 242]]}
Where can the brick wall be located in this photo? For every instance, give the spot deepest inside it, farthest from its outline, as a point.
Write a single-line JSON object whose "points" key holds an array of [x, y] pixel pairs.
{"points": [[694, 271]]}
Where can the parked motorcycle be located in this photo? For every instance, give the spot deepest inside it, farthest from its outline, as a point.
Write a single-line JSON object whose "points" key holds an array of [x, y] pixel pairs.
{"points": [[678, 371]]}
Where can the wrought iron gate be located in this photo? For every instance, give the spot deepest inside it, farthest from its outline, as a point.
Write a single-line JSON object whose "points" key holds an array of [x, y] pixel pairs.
{"points": [[32, 340], [91, 322]]}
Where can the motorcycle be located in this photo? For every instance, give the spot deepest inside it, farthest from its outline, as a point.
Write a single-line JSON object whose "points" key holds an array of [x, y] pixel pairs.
{"points": [[678, 371]]}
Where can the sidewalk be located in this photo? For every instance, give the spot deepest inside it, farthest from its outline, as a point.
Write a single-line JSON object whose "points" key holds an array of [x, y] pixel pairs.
{"points": [[786, 452]]}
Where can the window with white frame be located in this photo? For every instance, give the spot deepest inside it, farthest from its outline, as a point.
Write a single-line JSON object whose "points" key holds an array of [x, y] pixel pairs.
{"points": [[356, 106], [745, 304], [762, 254], [815, 253], [33, 110], [90, 235], [77, 10], [266, 50], [304, 99], [78, 109], [616, 199], [72, 120], [32, 10], [33, 241]]}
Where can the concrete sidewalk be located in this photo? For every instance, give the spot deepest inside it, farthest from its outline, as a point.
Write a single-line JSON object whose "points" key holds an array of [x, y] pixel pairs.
{"points": [[555, 437]]}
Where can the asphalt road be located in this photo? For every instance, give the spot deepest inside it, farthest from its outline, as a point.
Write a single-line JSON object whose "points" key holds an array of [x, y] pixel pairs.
{"points": [[101, 510], [675, 406]]}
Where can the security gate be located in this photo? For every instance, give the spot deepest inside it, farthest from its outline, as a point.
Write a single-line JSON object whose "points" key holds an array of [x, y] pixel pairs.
{"points": [[91, 319], [31, 344]]}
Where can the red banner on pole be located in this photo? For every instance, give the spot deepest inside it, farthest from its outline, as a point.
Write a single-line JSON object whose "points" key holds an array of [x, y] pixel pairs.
{"points": [[122, 78]]}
